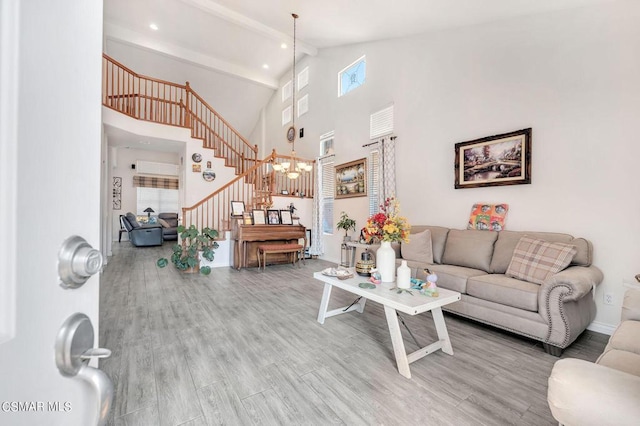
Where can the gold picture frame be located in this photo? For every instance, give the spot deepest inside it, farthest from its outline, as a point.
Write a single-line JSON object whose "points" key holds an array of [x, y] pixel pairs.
{"points": [[351, 179]]}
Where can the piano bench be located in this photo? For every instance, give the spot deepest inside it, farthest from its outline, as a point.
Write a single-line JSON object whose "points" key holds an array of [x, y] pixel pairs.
{"points": [[263, 249]]}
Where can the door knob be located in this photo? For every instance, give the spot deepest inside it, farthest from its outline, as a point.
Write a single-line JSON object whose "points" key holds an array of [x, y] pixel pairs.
{"points": [[74, 348], [77, 261]]}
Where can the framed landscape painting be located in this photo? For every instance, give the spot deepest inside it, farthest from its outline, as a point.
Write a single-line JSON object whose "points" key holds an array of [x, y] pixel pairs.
{"points": [[351, 179], [494, 160]]}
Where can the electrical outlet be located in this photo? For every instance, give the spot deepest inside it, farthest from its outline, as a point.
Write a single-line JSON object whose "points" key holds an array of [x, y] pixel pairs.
{"points": [[608, 299]]}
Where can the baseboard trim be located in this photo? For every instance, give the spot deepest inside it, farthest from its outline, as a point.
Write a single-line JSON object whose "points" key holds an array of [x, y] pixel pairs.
{"points": [[600, 327]]}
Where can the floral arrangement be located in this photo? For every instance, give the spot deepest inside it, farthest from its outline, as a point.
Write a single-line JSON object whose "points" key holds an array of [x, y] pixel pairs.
{"points": [[387, 225]]}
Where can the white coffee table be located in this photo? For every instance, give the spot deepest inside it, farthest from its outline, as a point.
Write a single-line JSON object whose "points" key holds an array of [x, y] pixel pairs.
{"points": [[393, 302]]}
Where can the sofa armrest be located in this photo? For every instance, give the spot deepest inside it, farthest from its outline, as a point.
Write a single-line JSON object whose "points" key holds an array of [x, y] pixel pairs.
{"points": [[578, 280], [583, 393], [566, 303]]}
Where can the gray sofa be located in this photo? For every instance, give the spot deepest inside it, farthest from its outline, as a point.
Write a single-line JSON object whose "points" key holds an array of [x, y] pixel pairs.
{"points": [[475, 263], [606, 392], [142, 235]]}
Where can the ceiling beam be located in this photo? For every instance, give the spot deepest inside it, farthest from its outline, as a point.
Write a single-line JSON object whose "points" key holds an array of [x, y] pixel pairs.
{"points": [[236, 18]]}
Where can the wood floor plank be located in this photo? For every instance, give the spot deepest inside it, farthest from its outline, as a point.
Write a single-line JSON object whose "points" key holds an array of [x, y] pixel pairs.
{"points": [[137, 385], [222, 406], [177, 397], [266, 408], [146, 416]]}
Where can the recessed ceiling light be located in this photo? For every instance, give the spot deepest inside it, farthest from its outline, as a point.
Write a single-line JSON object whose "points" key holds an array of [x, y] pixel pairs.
{"points": [[154, 27], [283, 45], [145, 142], [265, 66]]}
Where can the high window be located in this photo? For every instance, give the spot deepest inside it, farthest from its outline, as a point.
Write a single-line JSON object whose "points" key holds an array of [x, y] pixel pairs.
{"points": [[326, 144], [352, 76]]}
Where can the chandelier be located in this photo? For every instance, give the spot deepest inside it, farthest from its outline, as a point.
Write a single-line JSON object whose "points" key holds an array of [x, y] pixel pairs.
{"points": [[293, 169]]}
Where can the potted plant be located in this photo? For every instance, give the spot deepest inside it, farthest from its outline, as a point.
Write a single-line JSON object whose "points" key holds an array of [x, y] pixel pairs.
{"points": [[346, 223], [195, 245]]}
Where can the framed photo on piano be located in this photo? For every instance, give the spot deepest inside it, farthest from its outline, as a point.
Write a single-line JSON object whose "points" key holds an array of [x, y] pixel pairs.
{"points": [[273, 217], [285, 217], [259, 218], [237, 208]]}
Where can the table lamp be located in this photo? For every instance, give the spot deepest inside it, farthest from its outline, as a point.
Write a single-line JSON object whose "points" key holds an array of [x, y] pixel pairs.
{"points": [[148, 211]]}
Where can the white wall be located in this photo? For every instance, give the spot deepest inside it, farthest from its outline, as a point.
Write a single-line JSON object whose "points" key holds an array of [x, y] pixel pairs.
{"points": [[570, 75]]}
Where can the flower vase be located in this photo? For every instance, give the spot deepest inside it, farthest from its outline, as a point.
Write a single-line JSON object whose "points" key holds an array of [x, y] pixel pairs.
{"points": [[386, 262]]}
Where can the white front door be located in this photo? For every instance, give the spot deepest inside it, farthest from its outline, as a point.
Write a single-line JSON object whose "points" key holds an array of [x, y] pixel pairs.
{"points": [[50, 131]]}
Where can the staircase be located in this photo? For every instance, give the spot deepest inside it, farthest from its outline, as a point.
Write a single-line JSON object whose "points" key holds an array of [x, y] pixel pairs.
{"points": [[158, 101]]}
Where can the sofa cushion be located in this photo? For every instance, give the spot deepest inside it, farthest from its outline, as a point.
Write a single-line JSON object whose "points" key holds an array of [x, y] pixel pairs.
{"points": [[163, 223], [438, 239], [584, 254], [626, 337], [628, 362], [469, 248], [631, 305], [418, 248], [536, 260], [505, 290], [449, 276], [133, 221]]}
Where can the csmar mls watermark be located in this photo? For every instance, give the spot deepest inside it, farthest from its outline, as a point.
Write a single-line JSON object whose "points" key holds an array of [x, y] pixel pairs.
{"points": [[26, 406]]}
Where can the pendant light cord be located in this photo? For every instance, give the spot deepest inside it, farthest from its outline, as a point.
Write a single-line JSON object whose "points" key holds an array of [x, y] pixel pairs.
{"points": [[293, 81]]}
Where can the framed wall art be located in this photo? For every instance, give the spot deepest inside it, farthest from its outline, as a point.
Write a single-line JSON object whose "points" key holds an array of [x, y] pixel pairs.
{"points": [[494, 160], [351, 179], [117, 193]]}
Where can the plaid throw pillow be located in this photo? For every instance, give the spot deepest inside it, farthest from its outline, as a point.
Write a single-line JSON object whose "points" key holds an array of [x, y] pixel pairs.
{"points": [[537, 260]]}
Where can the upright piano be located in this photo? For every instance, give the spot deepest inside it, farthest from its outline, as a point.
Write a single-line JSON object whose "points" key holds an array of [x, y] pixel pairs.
{"points": [[249, 237]]}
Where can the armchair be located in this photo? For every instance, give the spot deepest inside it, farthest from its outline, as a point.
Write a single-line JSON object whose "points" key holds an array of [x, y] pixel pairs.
{"points": [[606, 392], [142, 235], [170, 225]]}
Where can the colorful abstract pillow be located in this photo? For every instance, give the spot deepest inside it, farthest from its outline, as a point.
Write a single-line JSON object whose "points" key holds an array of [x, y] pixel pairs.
{"points": [[488, 217], [537, 260]]}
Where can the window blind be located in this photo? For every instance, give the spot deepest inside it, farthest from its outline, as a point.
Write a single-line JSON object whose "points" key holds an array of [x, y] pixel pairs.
{"points": [[328, 193], [374, 182], [160, 200], [381, 123], [155, 182]]}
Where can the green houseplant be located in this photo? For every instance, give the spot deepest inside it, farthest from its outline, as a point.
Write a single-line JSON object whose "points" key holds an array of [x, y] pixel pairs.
{"points": [[186, 255], [346, 223]]}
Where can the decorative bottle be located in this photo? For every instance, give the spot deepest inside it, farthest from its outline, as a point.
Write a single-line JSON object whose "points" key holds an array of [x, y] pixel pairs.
{"points": [[404, 276]]}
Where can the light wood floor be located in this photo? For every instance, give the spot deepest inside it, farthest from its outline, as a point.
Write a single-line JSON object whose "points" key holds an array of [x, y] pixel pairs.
{"points": [[244, 348]]}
